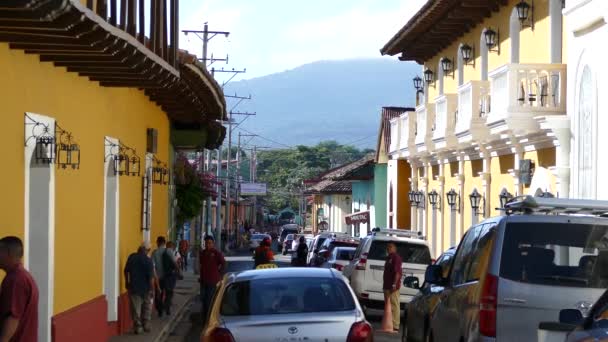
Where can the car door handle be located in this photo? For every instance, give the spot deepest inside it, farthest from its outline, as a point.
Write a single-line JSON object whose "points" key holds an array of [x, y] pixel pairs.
{"points": [[515, 300]]}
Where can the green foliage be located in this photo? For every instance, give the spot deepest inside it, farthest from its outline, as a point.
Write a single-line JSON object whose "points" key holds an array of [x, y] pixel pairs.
{"points": [[191, 188], [284, 170]]}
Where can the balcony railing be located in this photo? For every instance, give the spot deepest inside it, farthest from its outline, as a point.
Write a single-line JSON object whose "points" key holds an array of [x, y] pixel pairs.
{"points": [[537, 89], [404, 129], [445, 107], [394, 127], [473, 105], [421, 129]]}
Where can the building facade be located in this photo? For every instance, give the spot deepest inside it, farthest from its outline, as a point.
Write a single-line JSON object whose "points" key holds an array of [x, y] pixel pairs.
{"points": [[490, 114], [90, 106]]}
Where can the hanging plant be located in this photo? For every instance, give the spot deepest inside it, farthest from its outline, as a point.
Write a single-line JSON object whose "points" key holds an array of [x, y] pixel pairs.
{"points": [[192, 186]]}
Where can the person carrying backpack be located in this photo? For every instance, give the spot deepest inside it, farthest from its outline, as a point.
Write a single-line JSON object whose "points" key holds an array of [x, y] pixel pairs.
{"points": [[263, 254]]}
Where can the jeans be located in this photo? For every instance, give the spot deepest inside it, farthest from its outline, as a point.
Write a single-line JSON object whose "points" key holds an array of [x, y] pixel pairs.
{"points": [[207, 291], [140, 310]]}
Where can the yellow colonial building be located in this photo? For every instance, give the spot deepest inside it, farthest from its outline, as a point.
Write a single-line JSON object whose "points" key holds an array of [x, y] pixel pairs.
{"points": [[93, 112], [490, 121]]}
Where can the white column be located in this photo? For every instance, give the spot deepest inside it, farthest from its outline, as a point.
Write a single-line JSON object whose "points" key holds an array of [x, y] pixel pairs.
{"points": [[560, 126], [555, 27], [424, 206], [519, 155], [414, 187], [442, 206], [486, 179], [462, 197]]}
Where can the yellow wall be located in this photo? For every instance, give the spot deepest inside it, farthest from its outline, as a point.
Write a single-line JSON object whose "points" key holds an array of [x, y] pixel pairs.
{"points": [[90, 112], [534, 46]]}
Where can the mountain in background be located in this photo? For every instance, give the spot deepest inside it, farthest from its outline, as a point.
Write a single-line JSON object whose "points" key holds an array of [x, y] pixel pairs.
{"points": [[326, 100]]}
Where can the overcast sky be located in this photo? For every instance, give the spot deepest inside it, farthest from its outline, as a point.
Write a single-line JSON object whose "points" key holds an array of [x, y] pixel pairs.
{"points": [[269, 36]]}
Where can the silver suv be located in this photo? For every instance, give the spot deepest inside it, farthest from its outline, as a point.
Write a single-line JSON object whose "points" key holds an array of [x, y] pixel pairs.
{"points": [[512, 272]]}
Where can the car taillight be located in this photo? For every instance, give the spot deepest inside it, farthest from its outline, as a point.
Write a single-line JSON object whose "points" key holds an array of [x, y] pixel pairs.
{"points": [[487, 306], [360, 332], [362, 262], [220, 335], [338, 267]]}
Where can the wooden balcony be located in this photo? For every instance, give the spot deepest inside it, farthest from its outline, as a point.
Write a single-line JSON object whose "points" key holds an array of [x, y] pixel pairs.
{"points": [[473, 103], [443, 129], [520, 92], [105, 41]]}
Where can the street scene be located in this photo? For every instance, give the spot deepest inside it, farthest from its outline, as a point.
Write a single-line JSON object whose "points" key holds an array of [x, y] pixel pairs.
{"points": [[303, 171]]}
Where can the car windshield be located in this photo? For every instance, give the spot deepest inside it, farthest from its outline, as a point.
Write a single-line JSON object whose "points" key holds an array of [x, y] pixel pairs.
{"points": [[410, 253], [556, 254], [345, 253], [286, 296], [289, 237], [258, 236]]}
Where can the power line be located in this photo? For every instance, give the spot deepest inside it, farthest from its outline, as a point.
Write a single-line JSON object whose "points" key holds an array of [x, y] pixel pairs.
{"points": [[264, 138]]}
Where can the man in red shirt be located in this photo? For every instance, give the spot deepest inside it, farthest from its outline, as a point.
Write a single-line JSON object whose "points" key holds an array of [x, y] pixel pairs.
{"points": [[183, 251], [392, 282], [212, 264], [18, 295]]}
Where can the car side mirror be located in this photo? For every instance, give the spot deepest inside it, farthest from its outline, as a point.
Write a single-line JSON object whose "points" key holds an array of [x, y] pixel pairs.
{"points": [[411, 282], [434, 275], [570, 316]]}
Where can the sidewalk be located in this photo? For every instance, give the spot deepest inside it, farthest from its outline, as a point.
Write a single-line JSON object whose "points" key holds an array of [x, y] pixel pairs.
{"points": [[185, 291]]}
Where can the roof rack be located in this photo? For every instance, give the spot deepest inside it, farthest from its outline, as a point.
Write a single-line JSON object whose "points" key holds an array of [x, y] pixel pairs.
{"points": [[543, 205], [398, 232]]}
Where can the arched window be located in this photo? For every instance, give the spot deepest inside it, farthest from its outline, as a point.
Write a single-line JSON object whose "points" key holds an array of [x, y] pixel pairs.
{"points": [[586, 135]]}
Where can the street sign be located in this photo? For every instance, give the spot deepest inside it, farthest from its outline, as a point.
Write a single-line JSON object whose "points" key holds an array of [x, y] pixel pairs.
{"points": [[253, 189]]}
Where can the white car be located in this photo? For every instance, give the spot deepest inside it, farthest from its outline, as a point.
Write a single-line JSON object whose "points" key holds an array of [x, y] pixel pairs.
{"points": [[339, 258], [365, 271], [256, 239]]}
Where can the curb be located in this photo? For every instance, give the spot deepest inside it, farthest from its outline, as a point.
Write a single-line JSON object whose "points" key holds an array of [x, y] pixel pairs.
{"points": [[168, 328]]}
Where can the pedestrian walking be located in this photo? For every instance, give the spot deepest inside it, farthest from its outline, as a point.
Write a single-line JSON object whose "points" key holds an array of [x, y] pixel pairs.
{"points": [[164, 269], [212, 266], [392, 282], [18, 295], [184, 247], [263, 254], [139, 280], [172, 273], [301, 253]]}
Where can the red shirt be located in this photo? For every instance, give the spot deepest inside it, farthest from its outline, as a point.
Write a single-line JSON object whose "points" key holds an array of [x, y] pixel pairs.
{"points": [[211, 266], [19, 299], [183, 246], [392, 272]]}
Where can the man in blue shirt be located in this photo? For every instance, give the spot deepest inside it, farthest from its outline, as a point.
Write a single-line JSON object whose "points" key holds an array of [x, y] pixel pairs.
{"points": [[139, 280]]}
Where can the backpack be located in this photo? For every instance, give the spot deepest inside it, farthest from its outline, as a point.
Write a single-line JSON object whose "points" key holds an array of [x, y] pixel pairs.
{"points": [[169, 267]]}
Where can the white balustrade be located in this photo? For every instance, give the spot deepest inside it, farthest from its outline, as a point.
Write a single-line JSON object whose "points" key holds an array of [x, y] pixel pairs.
{"points": [[473, 106], [404, 129], [394, 131]]}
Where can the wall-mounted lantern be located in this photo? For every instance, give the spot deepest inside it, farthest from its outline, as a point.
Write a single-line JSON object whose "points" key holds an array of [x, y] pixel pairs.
{"points": [[504, 197], [447, 66], [417, 83], [45, 148], [160, 172], [412, 197], [492, 40], [124, 158], [434, 199], [468, 54], [419, 199], [453, 200], [68, 151], [429, 77], [475, 197], [525, 14]]}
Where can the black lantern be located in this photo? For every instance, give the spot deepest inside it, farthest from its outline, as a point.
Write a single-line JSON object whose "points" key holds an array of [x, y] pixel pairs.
{"points": [[45, 149], [492, 38], [475, 198], [121, 163], [412, 197], [434, 198], [419, 198], [159, 172], [452, 198], [68, 151], [468, 54], [447, 66], [525, 13], [429, 76], [134, 165], [504, 197], [417, 83]]}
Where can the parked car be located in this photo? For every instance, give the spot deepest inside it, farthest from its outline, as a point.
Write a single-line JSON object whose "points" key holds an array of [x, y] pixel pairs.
{"points": [[332, 242], [421, 307], [366, 269], [287, 243], [314, 248], [286, 304], [512, 272], [593, 327], [339, 258], [255, 240]]}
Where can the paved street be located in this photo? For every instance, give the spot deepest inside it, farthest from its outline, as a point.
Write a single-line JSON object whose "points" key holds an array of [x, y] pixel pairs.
{"points": [[190, 328]]}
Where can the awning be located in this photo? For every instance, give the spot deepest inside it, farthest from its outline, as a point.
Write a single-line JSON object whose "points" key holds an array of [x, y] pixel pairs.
{"points": [[358, 217]]}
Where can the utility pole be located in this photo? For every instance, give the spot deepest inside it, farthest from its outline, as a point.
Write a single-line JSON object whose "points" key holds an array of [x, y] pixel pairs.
{"points": [[218, 205], [206, 37], [208, 211], [253, 178]]}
